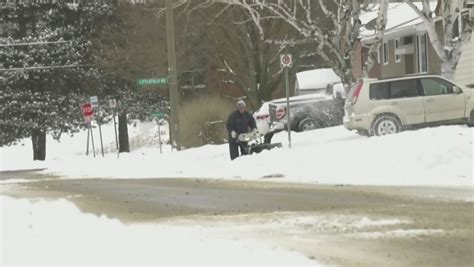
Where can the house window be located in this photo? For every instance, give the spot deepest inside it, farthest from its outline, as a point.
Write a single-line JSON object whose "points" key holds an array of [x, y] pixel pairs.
{"points": [[422, 52], [385, 54], [398, 58], [462, 19]]}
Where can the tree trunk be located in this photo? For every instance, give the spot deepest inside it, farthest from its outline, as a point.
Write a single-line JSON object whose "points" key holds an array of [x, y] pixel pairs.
{"points": [[448, 70], [347, 79], [124, 145], [379, 34], [38, 138]]}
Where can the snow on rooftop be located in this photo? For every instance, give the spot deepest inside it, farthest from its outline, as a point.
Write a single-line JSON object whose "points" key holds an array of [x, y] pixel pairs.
{"points": [[316, 79], [400, 16]]}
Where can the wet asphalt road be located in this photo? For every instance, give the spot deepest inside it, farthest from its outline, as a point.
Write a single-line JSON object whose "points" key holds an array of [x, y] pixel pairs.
{"points": [[447, 211]]}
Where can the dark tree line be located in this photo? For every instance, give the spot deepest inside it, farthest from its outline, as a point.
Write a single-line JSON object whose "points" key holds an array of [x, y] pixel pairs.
{"points": [[50, 64]]}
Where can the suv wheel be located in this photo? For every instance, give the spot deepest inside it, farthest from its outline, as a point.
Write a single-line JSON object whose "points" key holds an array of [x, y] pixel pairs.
{"points": [[386, 124], [307, 125], [470, 120]]}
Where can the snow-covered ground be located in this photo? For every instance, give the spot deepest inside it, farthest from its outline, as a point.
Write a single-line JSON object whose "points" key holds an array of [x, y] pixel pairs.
{"points": [[40, 232], [441, 156], [57, 233]]}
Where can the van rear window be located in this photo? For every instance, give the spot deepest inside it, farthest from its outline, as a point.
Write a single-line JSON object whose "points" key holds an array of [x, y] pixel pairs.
{"points": [[379, 91]]}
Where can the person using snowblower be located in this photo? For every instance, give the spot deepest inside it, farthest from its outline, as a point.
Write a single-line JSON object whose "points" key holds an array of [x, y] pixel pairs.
{"points": [[240, 121]]}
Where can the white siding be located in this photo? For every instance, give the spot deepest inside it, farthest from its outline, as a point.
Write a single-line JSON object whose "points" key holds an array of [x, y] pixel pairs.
{"points": [[465, 69]]}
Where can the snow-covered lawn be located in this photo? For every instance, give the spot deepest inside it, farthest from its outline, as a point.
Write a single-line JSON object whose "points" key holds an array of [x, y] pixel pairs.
{"points": [[441, 156]]}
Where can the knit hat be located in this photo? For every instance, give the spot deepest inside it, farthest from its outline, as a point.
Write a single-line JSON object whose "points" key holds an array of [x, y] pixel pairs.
{"points": [[241, 103]]}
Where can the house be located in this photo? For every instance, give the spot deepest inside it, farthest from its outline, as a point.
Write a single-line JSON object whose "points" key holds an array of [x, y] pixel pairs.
{"points": [[465, 70], [406, 47]]}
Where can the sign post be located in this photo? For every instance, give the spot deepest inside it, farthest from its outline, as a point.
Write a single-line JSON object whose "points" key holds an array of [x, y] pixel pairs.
{"points": [[92, 138], [159, 115], [94, 100], [286, 61], [87, 122], [88, 111]]}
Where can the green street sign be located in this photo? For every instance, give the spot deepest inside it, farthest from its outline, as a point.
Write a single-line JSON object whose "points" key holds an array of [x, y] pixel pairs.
{"points": [[152, 81], [158, 114]]}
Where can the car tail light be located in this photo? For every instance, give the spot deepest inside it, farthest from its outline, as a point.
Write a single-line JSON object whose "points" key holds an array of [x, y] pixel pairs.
{"points": [[262, 117], [356, 93]]}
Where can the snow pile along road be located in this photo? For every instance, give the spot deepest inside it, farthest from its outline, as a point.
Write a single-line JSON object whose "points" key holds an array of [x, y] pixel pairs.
{"points": [[441, 156], [36, 230]]}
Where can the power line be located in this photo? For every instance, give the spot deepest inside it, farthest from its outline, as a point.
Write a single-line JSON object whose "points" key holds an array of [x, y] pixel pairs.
{"points": [[34, 43], [48, 67]]}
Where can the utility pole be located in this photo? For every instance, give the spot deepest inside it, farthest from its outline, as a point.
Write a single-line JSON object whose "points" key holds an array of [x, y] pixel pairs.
{"points": [[286, 62], [172, 75]]}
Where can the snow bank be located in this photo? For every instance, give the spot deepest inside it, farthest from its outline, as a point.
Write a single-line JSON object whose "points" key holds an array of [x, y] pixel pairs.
{"points": [[441, 156], [57, 233]]}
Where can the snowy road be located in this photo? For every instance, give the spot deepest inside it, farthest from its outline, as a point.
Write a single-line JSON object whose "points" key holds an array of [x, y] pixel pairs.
{"points": [[342, 225]]}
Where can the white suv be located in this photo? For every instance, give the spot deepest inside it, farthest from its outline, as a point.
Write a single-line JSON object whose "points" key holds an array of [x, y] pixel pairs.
{"points": [[387, 106]]}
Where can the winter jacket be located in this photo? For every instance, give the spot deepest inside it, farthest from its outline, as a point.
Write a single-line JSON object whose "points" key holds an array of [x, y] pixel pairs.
{"points": [[240, 122]]}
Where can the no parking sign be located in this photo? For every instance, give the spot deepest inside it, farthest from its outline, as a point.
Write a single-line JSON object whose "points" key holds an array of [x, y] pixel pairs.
{"points": [[286, 60]]}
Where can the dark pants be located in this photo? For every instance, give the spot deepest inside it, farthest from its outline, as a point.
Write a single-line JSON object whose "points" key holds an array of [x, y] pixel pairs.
{"points": [[234, 149]]}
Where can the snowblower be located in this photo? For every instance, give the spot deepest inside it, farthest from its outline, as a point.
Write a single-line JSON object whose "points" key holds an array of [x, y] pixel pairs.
{"points": [[255, 144]]}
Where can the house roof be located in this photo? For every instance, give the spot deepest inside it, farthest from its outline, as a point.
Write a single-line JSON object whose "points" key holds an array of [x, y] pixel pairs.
{"points": [[402, 20], [316, 79]]}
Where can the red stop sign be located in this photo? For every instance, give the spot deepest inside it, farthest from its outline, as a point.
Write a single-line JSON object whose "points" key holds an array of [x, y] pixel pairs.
{"points": [[280, 112], [87, 109]]}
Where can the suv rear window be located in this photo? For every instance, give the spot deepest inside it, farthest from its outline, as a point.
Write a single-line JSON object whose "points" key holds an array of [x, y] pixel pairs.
{"points": [[379, 91], [394, 89]]}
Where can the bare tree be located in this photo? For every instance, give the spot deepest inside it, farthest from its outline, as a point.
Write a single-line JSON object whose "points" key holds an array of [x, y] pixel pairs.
{"points": [[449, 41], [243, 58], [333, 26], [379, 33]]}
